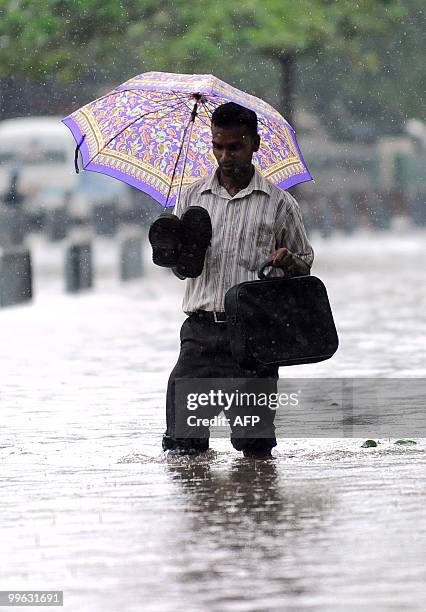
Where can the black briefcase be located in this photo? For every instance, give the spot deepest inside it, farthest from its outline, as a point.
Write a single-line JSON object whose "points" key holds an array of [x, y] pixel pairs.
{"points": [[280, 321]]}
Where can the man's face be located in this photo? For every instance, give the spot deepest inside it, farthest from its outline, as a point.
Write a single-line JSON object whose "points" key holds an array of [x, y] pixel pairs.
{"points": [[233, 149]]}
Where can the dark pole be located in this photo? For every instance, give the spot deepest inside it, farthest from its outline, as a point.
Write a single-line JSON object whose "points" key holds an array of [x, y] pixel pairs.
{"points": [[288, 82], [288, 86]]}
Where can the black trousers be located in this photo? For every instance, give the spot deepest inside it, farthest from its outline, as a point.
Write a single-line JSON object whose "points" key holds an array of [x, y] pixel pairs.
{"points": [[205, 352]]}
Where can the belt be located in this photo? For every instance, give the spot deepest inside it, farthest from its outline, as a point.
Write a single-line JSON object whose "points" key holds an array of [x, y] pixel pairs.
{"points": [[212, 316]]}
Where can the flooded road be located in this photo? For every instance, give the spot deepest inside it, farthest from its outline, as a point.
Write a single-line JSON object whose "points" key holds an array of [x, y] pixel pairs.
{"points": [[90, 506]]}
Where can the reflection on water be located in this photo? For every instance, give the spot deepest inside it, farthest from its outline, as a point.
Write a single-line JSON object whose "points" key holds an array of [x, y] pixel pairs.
{"points": [[271, 536], [247, 526]]}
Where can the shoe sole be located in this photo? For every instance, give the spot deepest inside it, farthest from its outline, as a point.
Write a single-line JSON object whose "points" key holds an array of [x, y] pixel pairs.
{"points": [[164, 236], [196, 235]]}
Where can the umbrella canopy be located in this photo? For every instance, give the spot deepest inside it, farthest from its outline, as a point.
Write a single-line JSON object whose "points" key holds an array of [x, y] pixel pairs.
{"points": [[153, 132]]}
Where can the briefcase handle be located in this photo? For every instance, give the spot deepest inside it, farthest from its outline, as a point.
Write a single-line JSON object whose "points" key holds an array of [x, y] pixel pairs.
{"points": [[267, 263], [261, 270]]}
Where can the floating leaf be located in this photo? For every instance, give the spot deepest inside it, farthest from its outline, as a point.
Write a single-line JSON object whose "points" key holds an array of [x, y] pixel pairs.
{"points": [[405, 442], [369, 444]]}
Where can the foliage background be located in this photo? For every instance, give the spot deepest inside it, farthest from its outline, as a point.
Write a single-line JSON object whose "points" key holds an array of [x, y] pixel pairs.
{"points": [[358, 65]]}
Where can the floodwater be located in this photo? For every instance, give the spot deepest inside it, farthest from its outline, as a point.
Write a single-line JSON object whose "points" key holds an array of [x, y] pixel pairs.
{"points": [[90, 506]]}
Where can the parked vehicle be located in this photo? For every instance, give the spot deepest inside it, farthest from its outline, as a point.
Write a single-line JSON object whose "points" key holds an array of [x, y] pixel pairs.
{"points": [[40, 151], [93, 190]]}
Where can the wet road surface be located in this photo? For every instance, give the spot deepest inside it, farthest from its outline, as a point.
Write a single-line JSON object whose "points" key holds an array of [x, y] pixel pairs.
{"points": [[90, 506]]}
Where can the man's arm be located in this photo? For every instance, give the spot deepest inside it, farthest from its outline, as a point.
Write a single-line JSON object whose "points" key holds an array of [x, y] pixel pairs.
{"points": [[293, 254]]}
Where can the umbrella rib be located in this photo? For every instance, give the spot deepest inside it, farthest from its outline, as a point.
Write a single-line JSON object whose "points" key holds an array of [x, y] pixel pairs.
{"points": [[177, 160], [139, 92], [190, 123], [203, 120], [183, 100], [208, 104], [136, 91], [115, 92], [187, 105], [261, 120], [176, 96], [272, 129], [198, 114], [207, 110], [127, 127]]}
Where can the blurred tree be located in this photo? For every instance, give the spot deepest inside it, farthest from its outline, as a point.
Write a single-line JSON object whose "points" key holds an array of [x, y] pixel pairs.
{"points": [[41, 38], [289, 31], [221, 34], [246, 43], [375, 87]]}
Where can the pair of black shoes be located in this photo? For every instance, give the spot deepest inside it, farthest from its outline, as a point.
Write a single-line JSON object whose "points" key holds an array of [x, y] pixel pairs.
{"points": [[182, 243]]}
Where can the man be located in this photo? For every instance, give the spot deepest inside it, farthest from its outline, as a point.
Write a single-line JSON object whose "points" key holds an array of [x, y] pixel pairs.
{"points": [[251, 220]]}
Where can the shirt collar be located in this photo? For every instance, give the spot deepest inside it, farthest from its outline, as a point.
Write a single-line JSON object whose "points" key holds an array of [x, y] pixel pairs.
{"points": [[257, 183]]}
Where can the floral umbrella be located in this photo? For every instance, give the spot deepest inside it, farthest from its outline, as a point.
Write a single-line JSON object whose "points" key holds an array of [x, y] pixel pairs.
{"points": [[153, 132]]}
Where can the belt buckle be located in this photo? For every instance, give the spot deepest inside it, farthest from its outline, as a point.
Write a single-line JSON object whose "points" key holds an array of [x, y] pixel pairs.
{"points": [[215, 319]]}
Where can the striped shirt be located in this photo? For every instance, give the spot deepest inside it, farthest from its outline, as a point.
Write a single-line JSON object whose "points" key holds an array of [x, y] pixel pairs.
{"points": [[247, 228]]}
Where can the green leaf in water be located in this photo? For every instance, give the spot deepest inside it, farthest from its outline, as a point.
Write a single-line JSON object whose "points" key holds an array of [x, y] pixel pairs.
{"points": [[369, 444], [405, 442]]}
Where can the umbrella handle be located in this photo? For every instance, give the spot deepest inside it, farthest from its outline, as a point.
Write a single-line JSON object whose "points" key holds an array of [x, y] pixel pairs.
{"points": [[190, 123], [266, 264], [193, 115], [261, 270], [77, 149]]}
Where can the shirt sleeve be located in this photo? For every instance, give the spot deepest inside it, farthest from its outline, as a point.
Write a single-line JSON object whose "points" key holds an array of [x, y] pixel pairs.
{"points": [[290, 231]]}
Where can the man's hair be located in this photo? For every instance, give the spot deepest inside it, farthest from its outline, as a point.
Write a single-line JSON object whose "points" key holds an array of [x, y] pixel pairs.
{"points": [[231, 115]]}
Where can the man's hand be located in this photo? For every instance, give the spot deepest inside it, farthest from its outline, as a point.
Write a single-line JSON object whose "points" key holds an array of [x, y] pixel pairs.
{"points": [[290, 263]]}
